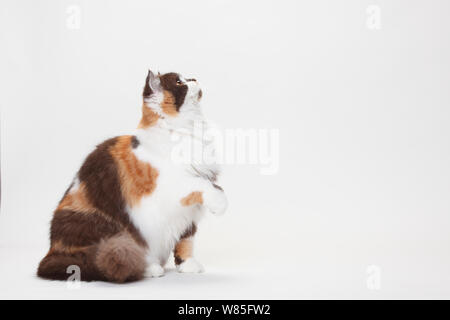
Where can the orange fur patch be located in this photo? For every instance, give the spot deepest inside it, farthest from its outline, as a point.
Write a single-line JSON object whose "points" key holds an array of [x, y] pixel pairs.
{"points": [[59, 247], [149, 117], [168, 105], [192, 198], [76, 200], [137, 178], [183, 249]]}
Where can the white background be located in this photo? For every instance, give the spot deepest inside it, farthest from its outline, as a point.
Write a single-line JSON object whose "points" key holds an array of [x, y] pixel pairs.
{"points": [[364, 150]]}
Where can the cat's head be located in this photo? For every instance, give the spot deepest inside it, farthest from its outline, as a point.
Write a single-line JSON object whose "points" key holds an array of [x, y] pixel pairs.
{"points": [[171, 96]]}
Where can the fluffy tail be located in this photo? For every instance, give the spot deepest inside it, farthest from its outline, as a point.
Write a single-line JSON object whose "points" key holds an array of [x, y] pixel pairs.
{"points": [[116, 259]]}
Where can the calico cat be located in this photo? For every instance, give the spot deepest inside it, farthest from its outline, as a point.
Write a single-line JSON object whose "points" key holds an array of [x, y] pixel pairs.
{"points": [[130, 205]]}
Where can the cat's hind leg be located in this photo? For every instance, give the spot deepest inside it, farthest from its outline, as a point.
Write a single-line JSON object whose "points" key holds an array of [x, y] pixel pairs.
{"points": [[116, 259]]}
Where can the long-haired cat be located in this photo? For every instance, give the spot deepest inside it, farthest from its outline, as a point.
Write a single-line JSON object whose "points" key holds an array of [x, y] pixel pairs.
{"points": [[130, 205]]}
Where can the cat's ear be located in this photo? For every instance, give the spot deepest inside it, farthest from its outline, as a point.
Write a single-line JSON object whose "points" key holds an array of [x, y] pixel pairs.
{"points": [[152, 84]]}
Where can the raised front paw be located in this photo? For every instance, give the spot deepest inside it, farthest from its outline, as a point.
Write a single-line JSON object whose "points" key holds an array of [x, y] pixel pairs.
{"points": [[190, 265], [155, 270], [216, 201]]}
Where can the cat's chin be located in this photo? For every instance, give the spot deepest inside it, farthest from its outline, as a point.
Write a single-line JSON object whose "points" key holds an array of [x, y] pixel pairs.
{"points": [[195, 99]]}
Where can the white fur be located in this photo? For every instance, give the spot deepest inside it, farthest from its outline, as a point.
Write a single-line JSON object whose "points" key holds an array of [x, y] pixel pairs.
{"points": [[155, 270], [160, 217], [190, 266]]}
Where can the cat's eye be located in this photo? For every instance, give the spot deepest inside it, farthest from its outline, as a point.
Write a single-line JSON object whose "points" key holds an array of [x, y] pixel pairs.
{"points": [[179, 82]]}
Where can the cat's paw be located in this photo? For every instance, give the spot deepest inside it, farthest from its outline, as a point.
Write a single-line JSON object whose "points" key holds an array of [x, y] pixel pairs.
{"points": [[155, 270], [216, 201], [190, 265]]}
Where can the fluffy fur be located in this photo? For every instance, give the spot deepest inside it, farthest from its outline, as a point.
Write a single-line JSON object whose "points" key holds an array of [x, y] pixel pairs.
{"points": [[121, 259], [130, 205]]}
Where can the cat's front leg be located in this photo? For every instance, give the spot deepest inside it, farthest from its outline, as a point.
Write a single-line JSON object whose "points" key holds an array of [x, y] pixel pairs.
{"points": [[183, 253], [214, 199], [209, 195]]}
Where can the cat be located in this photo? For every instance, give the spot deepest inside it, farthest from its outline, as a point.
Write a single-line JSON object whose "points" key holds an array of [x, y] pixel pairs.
{"points": [[130, 205]]}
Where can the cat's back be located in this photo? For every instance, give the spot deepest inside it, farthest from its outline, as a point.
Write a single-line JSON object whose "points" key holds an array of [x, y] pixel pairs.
{"points": [[110, 181]]}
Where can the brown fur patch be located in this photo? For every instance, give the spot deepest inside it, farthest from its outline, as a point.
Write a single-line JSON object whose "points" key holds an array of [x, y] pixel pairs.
{"points": [[137, 178], [100, 175], [73, 228], [55, 263], [189, 232], [135, 142], [169, 82], [192, 198], [149, 117], [121, 259]]}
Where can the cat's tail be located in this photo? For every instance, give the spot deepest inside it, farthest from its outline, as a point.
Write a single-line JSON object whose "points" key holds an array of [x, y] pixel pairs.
{"points": [[121, 259], [116, 259]]}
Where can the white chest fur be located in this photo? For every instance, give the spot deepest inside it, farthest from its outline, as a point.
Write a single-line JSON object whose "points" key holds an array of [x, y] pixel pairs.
{"points": [[160, 216]]}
